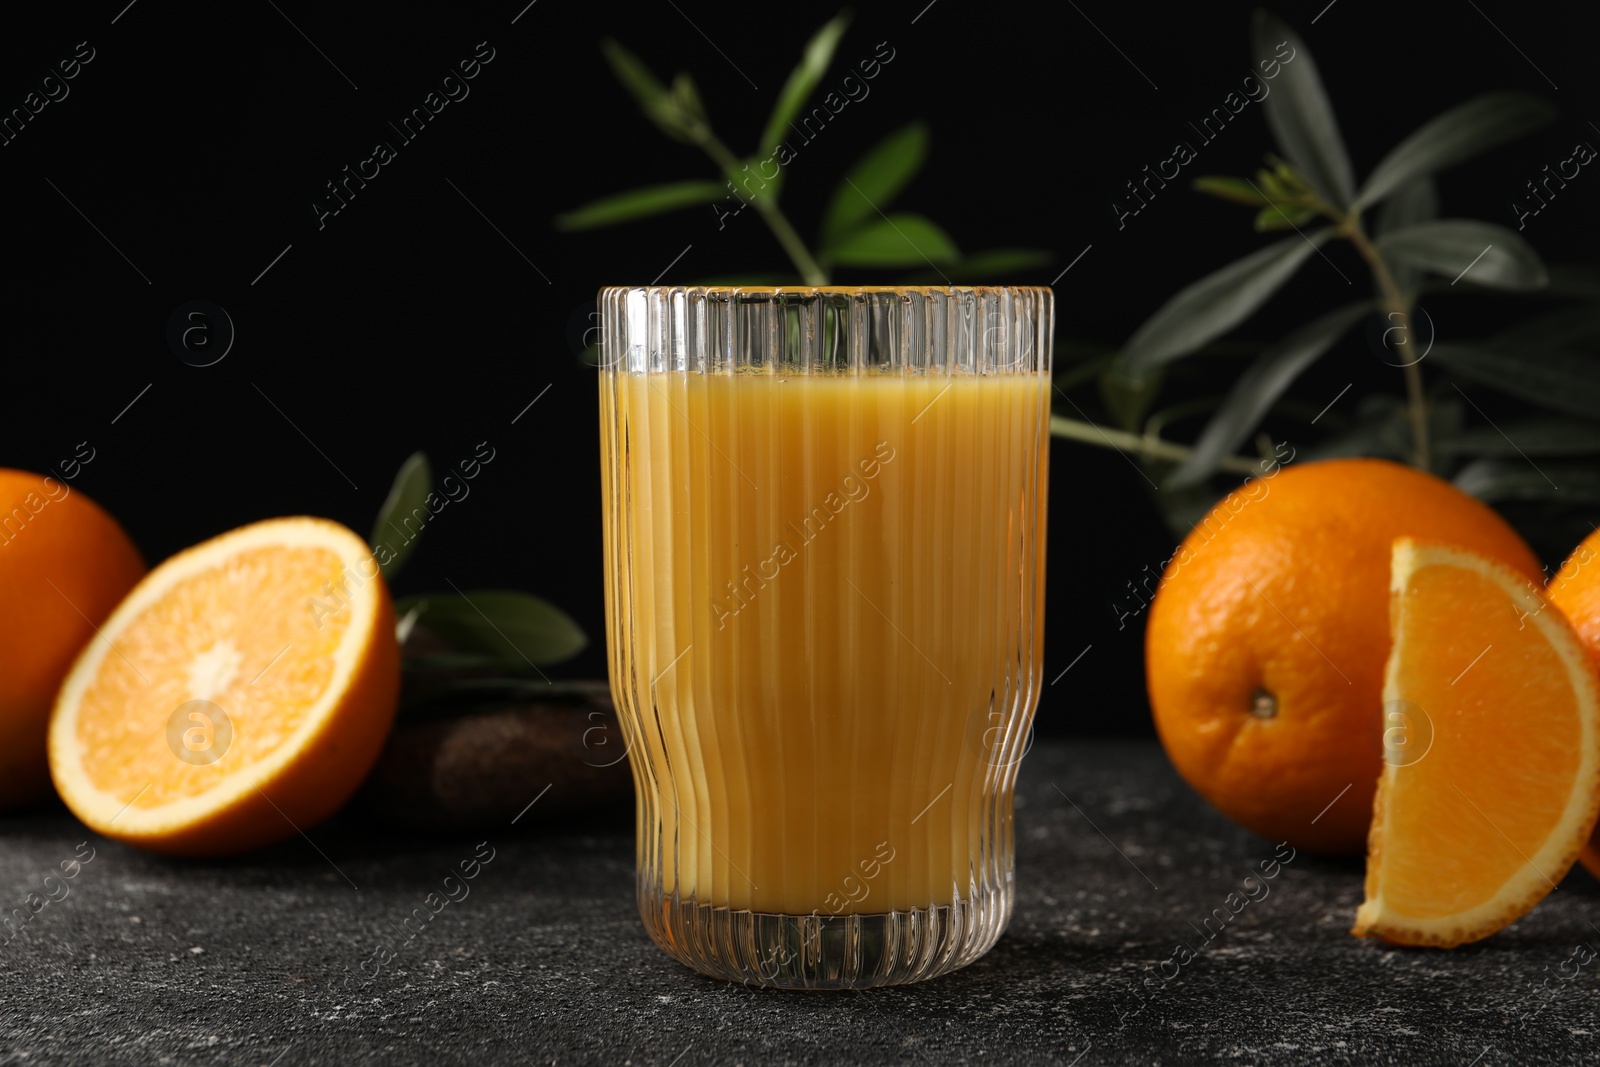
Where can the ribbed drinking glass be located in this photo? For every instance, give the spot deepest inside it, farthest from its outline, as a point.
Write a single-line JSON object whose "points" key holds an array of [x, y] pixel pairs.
{"points": [[824, 563]]}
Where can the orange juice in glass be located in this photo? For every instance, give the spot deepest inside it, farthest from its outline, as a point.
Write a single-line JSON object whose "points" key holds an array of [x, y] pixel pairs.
{"points": [[824, 559]]}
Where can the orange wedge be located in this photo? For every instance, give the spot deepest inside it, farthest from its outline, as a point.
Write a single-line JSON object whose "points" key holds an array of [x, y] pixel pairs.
{"points": [[1491, 780], [239, 694], [1576, 591]]}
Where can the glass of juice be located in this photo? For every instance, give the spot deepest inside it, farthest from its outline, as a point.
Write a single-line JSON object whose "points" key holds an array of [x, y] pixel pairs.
{"points": [[824, 564]]}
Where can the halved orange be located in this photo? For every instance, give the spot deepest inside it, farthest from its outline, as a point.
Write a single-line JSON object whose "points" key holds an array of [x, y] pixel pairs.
{"points": [[1491, 780], [239, 694]]}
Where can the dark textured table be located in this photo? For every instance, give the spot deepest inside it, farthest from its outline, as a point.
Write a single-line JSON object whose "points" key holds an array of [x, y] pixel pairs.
{"points": [[543, 961]]}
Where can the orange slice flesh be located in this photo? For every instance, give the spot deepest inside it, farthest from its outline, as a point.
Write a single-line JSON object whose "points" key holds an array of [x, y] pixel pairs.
{"points": [[240, 692], [1575, 589], [1491, 780]]}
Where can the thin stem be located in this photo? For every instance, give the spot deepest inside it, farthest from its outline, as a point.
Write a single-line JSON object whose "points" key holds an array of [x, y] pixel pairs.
{"points": [[775, 219], [778, 223], [1144, 445], [1395, 303]]}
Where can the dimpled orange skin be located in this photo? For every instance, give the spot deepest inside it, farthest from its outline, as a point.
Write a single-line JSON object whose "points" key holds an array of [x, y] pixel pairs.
{"points": [[1282, 594], [1576, 591], [50, 534]]}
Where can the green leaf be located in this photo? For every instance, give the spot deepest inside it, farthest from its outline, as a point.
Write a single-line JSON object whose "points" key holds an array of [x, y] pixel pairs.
{"points": [[663, 108], [1471, 251], [901, 240], [633, 74], [803, 80], [1217, 303], [1530, 437], [1128, 395], [1562, 381], [1299, 114], [407, 500], [1282, 217], [1273, 188], [518, 629], [640, 203], [1236, 189], [874, 181], [1497, 481], [1459, 134], [687, 97], [635, 77], [1288, 178], [1259, 388], [989, 267], [1415, 202]]}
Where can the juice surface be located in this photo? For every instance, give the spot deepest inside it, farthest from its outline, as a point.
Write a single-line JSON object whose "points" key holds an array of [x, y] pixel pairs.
{"points": [[825, 600]]}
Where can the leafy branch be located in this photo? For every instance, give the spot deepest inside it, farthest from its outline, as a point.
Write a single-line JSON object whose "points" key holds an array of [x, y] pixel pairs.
{"points": [[1391, 221], [1315, 181], [857, 230]]}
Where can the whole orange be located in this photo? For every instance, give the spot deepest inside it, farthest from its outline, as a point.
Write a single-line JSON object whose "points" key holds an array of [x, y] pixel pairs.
{"points": [[1269, 632], [1575, 590], [64, 564]]}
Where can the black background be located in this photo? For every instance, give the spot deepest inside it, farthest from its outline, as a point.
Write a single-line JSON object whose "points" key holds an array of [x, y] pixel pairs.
{"points": [[197, 138]]}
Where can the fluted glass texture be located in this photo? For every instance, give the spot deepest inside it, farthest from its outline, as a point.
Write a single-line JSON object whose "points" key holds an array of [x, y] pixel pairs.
{"points": [[824, 562]]}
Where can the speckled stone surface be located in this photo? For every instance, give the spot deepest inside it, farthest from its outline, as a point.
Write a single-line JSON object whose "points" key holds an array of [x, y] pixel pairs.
{"points": [[259, 960]]}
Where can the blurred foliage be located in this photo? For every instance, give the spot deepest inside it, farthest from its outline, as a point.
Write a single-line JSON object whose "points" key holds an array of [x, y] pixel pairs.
{"points": [[1541, 376], [857, 229], [1179, 371]]}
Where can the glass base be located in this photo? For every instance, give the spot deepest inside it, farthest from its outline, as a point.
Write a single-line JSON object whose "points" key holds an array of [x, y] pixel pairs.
{"points": [[818, 951]]}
